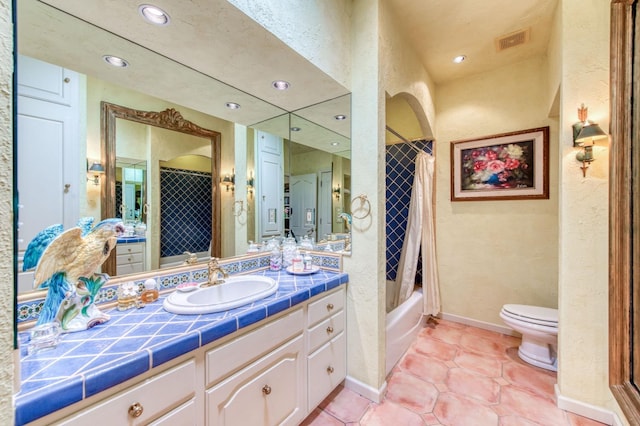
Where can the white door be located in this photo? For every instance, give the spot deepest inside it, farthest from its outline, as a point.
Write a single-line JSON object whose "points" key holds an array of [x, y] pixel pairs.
{"points": [[48, 152], [303, 189], [269, 186], [48, 158], [324, 204]]}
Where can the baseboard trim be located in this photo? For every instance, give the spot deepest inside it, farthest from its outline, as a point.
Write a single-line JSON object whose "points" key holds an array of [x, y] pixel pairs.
{"points": [[365, 390], [479, 324], [584, 409]]}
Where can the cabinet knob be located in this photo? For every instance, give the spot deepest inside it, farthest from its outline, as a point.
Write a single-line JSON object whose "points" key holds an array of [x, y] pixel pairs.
{"points": [[329, 369], [136, 410], [266, 390], [329, 306], [329, 330]]}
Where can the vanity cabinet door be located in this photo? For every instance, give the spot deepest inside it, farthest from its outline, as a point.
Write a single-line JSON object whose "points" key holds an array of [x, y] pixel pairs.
{"points": [[270, 391], [327, 369]]}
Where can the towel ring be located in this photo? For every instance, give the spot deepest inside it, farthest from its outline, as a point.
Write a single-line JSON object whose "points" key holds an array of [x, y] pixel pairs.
{"points": [[237, 212], [363, 202]]}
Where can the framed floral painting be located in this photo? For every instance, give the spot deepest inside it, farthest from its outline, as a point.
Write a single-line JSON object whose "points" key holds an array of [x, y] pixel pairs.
{"points": [[508, 166]]}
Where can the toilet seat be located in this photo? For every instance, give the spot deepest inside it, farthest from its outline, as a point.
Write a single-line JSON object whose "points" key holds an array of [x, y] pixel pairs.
{"points": [[532, 314]]}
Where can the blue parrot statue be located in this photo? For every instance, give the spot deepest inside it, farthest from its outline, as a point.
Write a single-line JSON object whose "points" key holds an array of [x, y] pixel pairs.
{"points": [[65, 263]]}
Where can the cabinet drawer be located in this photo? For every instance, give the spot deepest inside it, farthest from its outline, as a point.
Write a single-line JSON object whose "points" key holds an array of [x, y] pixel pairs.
{"points": [[129, 248], [327, 369], [124, 259], [156, 395], [130, 268], [325, 307], [185, 414], [228, 358], [324, 331], [268, 392]]}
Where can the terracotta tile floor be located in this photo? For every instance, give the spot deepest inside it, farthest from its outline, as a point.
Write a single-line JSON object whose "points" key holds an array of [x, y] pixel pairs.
{"points": [[455, 374]]}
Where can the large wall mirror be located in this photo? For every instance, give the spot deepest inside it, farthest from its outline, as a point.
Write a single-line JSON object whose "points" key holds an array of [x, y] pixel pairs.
{"points": [[66, 40]]}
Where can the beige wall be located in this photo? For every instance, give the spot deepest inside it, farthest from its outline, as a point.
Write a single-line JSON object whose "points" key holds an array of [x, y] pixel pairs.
{"points": [[495, 252], [6, 211], [403, 73], [583, 255], [319, 30], [366, 267]]}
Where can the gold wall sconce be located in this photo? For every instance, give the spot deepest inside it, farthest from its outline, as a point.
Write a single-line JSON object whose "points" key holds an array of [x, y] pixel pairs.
{"points": [[336, 192], [229, 180], [96, 169], [250, 183], [585, 133]]}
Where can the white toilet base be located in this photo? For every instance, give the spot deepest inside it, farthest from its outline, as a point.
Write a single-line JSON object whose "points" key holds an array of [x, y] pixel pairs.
{"points": [[539, 353]]}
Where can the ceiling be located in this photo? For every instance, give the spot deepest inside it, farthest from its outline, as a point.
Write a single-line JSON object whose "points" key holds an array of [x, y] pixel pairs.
{"points": [[439, 30], [224, 45]]}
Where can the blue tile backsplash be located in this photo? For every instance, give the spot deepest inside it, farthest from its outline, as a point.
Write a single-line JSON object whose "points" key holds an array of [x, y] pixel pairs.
{"points": [[400, 170], [185, 211]]}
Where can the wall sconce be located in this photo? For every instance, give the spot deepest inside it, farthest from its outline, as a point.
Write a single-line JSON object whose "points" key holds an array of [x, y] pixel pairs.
{"points": [[250, 183], [97, 169], [229, 180], [585, 133], [336, 192]]}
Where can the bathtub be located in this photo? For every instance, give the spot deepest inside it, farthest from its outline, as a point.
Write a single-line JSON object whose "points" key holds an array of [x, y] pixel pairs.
{"points": [[403, 325]]}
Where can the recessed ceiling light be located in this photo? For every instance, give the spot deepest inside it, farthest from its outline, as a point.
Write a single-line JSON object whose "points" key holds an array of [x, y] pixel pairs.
{"points": [[232, 105], [335, 143], [115, 61], [340, 117], [459, 59], [153, 14], [295, 129], [281, 85]]}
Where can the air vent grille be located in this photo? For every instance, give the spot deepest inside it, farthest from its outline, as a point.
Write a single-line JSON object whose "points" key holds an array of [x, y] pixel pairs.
{"points": [[512, 40]]}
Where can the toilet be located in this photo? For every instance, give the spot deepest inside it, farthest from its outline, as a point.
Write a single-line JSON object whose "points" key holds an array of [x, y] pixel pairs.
{"points": [[539, 329]]}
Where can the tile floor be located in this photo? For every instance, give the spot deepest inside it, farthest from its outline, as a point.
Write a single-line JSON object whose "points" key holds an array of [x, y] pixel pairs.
{"points": [[455, 374]]}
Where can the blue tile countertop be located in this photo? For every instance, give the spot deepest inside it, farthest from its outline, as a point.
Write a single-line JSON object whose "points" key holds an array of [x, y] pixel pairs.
{"points": [[131, 240], [134, 341]]}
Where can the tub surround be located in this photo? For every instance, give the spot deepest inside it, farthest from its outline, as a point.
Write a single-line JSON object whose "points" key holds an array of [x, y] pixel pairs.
{"points": [[135, 341]]}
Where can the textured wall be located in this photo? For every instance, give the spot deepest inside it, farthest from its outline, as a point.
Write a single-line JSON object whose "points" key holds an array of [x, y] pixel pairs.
{"points": [[404, 74], [6, 212], [316, 29], [583, 274], [495, 252]]}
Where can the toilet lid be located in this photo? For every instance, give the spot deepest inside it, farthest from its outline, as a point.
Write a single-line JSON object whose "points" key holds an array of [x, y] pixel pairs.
{"points": [[535, 314]]}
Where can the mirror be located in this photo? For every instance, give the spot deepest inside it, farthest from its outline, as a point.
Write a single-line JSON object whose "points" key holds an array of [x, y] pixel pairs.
{"points": [[168, 224], [75, 34], [131, 190]]}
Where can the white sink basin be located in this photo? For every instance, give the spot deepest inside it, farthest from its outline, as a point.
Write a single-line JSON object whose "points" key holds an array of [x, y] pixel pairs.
{"points": [[234, 292]]}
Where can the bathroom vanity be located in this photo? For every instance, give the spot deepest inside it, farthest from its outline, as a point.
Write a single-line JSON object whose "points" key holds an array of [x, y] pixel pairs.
{"points": [[272, 363], [130, 256]]}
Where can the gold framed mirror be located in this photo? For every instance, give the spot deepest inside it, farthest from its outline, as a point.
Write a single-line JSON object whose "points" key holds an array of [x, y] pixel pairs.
{"points": [[169, 119]]}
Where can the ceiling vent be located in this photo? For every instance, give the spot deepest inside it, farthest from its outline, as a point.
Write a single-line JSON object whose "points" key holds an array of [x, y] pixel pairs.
{"points": [[512, 40]]}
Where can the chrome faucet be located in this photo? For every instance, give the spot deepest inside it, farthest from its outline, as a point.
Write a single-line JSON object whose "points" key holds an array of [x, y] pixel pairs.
{"points": [[217, 275]]}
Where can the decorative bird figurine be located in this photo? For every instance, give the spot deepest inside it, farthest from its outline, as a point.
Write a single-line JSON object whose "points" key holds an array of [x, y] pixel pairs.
{"points": [[65, 264]]}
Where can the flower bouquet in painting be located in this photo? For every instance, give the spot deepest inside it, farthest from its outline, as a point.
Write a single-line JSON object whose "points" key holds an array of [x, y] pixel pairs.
{"points": [[505, 166]]}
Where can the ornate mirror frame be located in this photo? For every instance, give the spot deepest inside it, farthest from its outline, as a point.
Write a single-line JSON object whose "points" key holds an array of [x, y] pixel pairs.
{"points": [[169, 119], [624, 200]]}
